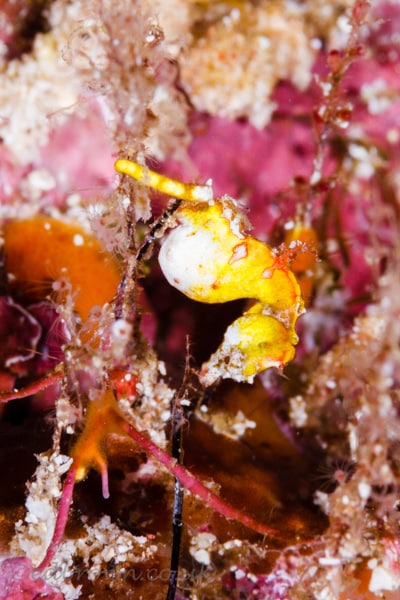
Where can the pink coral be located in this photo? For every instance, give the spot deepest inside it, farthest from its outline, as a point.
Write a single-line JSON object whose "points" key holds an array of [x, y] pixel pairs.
{"points": [[18, 581]]}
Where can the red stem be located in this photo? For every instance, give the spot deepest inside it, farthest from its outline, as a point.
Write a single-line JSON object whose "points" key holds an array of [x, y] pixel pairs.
{"points": [[191, 483], [62, 517], [31, 389], [188, 480]]}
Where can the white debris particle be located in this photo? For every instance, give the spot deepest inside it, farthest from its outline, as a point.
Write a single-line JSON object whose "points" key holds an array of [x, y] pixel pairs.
{"points": [[316, 44], [121, 329], [201, 545], [329, 561], [78, 240], [73, 200], [325, 594], [321, 499], [121, 332], [289, 225], [297, 411], [332, 245], [97, 363], [344, 24], [326, 88], [204, 193], [202, 556], [364, 489], [383, 578], [358, 152], [232, 426], [165, 415], [233, 544], [109, 553], [342, 123], [141, 539], [239, 574], [393, 135], [377, 95], [365, 170], [315, 177], [353, 439], [241, 424]]}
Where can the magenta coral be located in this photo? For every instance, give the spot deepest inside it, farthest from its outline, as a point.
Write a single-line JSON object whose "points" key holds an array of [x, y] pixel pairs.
{"points": [[19, 582]]}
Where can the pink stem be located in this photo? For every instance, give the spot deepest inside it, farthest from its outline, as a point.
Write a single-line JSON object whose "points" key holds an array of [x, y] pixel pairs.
{"points": [[191, 483], [32, 389], [104, 480], [62, 517]]}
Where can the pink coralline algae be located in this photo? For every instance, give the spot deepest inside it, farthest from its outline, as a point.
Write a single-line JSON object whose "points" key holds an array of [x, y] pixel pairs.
{"points": [[240, 583], [19, 582]]}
